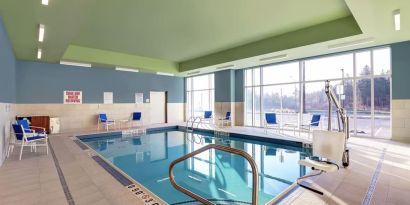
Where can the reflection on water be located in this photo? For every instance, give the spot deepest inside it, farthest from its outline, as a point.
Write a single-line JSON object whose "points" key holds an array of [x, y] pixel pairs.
{"points": [[212, 174]]}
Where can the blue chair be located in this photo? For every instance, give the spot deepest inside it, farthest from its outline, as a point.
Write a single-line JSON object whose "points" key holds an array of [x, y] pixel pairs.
{"points": [[28, 139], [30, 129], [226, 120], [207, 114], [136, 117], [314, 122], [103, 119], [270, 121], [208, 117]]}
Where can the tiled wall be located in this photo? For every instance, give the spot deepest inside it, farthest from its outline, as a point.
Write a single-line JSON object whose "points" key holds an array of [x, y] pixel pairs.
{"points": [[236, 109], [84, 116], [401, 120], [221, 108], [239, 113], [7, 116]]}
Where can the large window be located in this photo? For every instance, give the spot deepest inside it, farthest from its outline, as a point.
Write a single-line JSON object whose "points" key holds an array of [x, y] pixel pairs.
{"points": [[278, 93], [295, 91], [200, 95]]}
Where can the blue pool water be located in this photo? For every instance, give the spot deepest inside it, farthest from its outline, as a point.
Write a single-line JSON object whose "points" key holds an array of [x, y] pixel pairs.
{"points": [[213, 174]]}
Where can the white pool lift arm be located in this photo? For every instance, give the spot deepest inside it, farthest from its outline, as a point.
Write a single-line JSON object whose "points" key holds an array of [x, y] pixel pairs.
{"points": [[341, 117], [328, 145]]}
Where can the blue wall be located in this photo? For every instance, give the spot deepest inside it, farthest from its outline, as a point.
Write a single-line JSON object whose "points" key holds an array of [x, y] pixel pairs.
{"points": [[224, 86], [239, 85], [401, 70], [45, 83], [7, 68]]}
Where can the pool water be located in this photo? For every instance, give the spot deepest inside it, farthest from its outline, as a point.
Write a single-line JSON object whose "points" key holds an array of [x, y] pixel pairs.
{"points": [[213, 174]]}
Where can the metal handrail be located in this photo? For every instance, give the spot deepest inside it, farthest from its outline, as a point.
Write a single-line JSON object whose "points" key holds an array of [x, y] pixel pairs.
{"points": [[192, 120], [255, 180]]}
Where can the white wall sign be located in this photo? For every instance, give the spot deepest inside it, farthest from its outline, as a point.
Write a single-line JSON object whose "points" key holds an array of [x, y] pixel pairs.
{"points": [[108, 98], [73, 97], [139, 98]]}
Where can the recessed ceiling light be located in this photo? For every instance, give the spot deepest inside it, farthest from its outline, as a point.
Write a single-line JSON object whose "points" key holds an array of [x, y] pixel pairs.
{"points": [[75, 64], [225, 66], [162, 73], [274, 57], [127, 69], [351, 43], [39, 53], [41, 32], [44, 2], [396, 15]]}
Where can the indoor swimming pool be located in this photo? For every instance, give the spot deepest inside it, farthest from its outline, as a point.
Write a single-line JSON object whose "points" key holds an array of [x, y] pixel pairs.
{"points": [[214, 175]]}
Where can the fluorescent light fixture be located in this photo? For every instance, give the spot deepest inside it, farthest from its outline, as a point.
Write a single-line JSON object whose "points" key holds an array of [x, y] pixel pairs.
{"points": [[278, 57], [351, 43], [225, 66], [396, 15], [127, 69], [39, 53], [44, 2], [41, 32], [75, 64], [167, 74]]}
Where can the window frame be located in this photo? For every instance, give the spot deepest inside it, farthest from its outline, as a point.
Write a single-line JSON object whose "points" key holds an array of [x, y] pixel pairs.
{"points": [[302, 86]]}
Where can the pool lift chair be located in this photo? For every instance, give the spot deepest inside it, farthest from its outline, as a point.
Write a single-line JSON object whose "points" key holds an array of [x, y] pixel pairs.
{"points": [[328, 146]]}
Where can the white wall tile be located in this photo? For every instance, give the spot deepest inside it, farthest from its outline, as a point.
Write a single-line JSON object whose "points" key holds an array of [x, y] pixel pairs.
{"points": [[85, 116], [401, 120], [7, 116]]}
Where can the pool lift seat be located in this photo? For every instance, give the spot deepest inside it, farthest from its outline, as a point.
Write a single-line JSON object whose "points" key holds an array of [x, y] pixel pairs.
{"points": [[329, 145], [328, 148]]}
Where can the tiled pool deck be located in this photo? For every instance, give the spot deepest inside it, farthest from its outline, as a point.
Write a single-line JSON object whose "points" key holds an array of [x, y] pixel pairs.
{"points": [[379, 173]]}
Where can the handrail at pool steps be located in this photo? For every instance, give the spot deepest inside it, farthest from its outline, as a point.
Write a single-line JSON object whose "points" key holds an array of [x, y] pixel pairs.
{"points": [[255, 177], [192, 120]]}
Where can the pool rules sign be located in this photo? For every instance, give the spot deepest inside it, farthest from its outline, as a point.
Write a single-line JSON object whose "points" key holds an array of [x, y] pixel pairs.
{"points": [[73, 97]]}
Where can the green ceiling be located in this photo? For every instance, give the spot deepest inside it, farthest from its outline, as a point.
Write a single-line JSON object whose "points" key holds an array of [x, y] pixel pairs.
{"points": [[171, 36]]}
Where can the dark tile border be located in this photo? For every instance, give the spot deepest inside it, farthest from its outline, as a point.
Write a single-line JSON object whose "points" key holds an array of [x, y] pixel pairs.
{"points": [[80, 144], [252, 137], [285, 196], [104, 134], [182, 128], [63, 182], [372, 186], [114, 173], [216, 201], [155, 129]]}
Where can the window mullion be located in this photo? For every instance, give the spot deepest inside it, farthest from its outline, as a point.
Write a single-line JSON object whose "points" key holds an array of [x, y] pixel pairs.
{"points": [[372, 94], [354, 97], [260, 96], [301, 91]]}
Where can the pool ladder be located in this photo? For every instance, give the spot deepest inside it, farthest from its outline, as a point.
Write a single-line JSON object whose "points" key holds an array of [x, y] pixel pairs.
{"points": [[192, 120], [255, 177]]}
